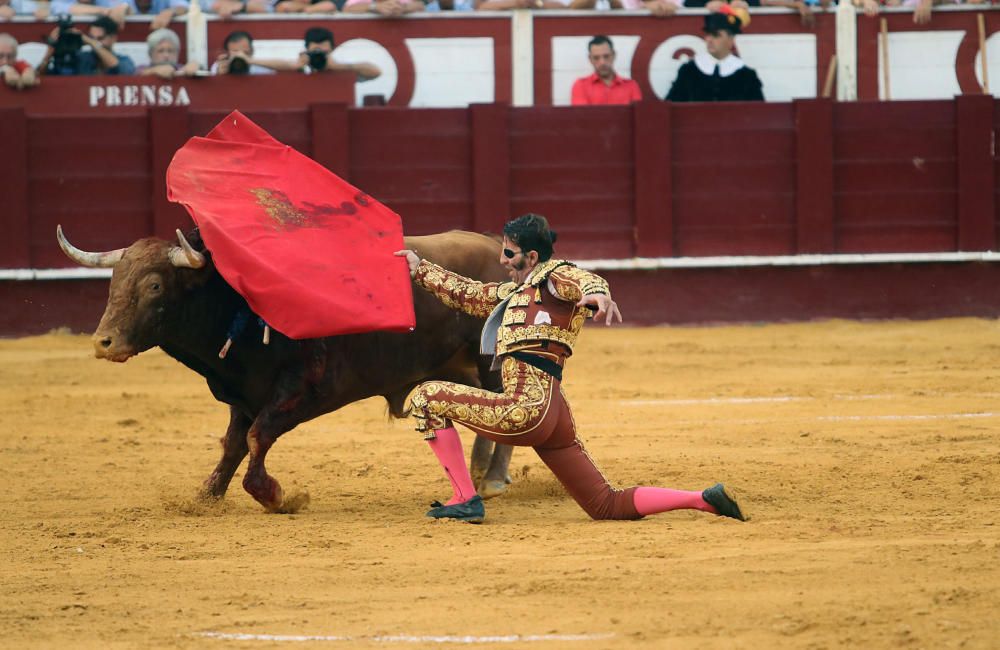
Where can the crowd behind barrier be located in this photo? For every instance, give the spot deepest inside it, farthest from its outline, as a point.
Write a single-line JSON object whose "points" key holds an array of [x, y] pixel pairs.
{"points": [[162, 12], [464, 57]]}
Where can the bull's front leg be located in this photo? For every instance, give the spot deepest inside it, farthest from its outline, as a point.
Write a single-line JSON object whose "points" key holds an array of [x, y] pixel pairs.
{"points": [[262, 434], [234, 450]]}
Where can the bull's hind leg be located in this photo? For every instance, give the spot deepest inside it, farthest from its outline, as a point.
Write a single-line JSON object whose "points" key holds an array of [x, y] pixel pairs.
{"points": [[490, 471], [482, 451], [490, 467], [497, 478], [234, 450], [483, 457]]}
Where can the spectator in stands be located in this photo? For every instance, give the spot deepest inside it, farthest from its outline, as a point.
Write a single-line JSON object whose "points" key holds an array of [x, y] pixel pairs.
{"points": [[164, 56], [806, 8], [38, 10], [227, 8], [388, 8], [660, 8], [922, 8], [238, 57], [718, 75], [16, 74], [116, 10], [870, 7], [64, 55], [309, 6], [494, 5], [162, 11], [318, 57], [604, 86]]}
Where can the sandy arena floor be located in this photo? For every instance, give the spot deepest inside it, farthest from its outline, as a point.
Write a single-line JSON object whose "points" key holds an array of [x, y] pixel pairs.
{"points": [[868, 455]]}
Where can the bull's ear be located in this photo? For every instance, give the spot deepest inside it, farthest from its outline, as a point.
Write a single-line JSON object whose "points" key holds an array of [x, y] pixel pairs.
{"points": [[184, 255], [106, 259]]}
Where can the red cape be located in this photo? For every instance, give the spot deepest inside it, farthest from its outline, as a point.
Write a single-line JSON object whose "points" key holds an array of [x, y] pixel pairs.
{"points": [[312, 255]]}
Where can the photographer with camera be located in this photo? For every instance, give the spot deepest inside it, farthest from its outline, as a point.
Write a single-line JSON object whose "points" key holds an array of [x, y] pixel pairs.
{"points": [[66, 55], [238, 57], [16, 74], [318, 57]]}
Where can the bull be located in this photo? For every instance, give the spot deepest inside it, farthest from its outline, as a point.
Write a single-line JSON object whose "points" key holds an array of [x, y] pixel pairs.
{"points": [[170, 295]]}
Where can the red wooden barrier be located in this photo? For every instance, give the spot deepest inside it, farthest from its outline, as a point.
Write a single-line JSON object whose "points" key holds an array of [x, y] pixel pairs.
{"points": [[976, 227], [489, 126], [14, 220], [651, 180], [895, 177], [653, 233], [814, 177]]}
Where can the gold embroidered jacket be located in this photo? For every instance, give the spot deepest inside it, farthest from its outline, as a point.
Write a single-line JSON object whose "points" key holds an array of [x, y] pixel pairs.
{"points": [[541, 310]]}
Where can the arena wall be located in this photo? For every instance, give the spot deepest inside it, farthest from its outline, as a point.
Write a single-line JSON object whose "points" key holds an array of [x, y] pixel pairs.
{"points": [[656, 182]]}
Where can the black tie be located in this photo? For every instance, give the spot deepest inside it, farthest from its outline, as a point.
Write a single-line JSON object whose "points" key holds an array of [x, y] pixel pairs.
{"points": [[716, 73]]}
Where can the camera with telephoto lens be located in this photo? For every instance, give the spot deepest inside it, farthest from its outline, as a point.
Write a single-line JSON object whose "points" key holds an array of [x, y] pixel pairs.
{"points": [[238, 65], [317, 59], [65, 48]]}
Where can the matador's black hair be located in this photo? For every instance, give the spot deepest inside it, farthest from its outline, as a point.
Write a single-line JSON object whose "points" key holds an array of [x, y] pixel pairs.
{"points": [[532, 233]]}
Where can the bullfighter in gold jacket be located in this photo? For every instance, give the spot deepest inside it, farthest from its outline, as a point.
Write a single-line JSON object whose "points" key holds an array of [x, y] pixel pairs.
{"points": [[532, 325]]}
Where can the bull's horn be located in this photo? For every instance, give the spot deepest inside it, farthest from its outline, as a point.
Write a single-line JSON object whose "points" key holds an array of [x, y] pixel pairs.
{"points": [[184, 255], [84, 258]]}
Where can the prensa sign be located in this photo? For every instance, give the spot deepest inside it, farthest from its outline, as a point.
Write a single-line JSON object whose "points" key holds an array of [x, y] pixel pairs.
{"points": [[114, 96], [91, 95]]}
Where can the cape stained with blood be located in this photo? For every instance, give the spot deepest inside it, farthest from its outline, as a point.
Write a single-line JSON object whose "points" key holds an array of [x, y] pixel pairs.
{"points": [[311, 254]]}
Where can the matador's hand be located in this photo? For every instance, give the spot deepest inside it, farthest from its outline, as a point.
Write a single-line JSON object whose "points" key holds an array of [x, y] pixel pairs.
{"points": [[605, 306], [412, 259]]}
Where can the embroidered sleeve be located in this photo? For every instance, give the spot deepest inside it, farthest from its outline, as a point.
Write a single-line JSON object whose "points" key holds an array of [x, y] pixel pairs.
{"points": [[459, 292], [571, 283]]}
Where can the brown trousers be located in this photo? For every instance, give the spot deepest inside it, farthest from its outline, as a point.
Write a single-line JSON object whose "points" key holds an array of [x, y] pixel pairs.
{"points": [[531, 412]]}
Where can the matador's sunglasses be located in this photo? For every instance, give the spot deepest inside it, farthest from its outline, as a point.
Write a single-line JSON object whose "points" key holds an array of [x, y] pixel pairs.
{"points": [[509, 254]]}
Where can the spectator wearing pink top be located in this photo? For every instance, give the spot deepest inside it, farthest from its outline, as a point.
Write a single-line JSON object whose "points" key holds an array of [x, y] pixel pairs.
{"points": [[604, 86], [922, 8], [383, 7], [495, 5], [661, 8]]}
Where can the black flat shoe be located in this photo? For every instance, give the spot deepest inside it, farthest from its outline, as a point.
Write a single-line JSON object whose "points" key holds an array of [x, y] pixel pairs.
{"points": [[471, 511], [724, 504]]}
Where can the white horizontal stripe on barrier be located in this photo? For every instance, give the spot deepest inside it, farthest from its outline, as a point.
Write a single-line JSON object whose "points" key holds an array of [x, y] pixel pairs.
{"points": [[631, 264], [736, 261]]}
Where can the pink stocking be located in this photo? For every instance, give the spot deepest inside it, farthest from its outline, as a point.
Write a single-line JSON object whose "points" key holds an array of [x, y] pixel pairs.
{"points": [[651, 500], [447, 446]]}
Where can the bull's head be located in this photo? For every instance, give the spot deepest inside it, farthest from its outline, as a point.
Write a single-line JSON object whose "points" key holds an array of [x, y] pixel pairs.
{"points": [[144, 282]]}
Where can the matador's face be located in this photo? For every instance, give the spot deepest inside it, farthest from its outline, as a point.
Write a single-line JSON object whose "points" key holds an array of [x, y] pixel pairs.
{"points": [[520, 265]]}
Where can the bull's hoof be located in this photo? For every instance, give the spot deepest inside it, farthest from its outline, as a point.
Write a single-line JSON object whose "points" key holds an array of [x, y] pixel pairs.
{"points": [[292, 504], [492, 488], [266, 492], [209, 496]]}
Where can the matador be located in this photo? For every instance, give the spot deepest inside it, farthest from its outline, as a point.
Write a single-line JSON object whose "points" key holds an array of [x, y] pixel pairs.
{"points": [[532, 324]]}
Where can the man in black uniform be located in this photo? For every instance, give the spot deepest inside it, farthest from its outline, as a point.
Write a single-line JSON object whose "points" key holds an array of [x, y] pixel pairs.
{"points": [[720, 75]]}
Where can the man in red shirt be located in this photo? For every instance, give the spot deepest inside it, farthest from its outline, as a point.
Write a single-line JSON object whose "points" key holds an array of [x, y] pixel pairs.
{"points": [[604, 86], [16, 74]]}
